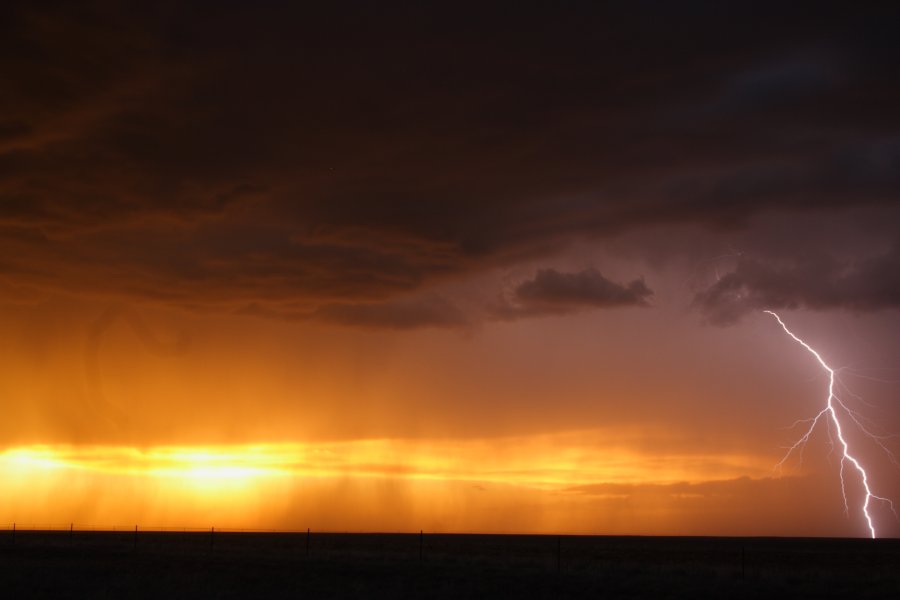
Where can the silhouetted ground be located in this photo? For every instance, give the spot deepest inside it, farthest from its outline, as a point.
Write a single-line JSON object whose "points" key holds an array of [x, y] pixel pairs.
{"points": [[277, 565]]}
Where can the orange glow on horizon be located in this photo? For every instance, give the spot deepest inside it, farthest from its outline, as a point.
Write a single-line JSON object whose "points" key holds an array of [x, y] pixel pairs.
{"points": [[354, 485], [540, 461]]}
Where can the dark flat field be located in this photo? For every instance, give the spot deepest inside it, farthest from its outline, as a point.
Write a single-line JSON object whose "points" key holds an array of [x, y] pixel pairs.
{"points": [[57, 564]]}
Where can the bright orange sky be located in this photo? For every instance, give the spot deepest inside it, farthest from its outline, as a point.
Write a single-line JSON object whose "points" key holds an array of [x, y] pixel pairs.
{"points": [[281, 266], [638, 421]]}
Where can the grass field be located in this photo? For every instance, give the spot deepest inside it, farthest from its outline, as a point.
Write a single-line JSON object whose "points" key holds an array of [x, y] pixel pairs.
{"points": [[60, 564]]}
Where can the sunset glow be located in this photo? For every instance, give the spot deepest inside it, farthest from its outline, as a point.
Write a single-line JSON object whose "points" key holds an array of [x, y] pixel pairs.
{"points": [[543, 462], [236, 479]]}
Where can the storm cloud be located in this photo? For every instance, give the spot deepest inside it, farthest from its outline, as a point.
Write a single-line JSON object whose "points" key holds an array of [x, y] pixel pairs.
{"points": [[552, 292], [816, 282], [326, 164]]}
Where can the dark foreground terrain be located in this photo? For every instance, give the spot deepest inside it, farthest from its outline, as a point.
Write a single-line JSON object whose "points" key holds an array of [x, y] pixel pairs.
{"points": [[282, 565]]}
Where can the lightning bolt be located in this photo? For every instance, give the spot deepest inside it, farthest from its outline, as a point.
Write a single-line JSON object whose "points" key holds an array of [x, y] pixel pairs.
{"points": [[831, 414]]}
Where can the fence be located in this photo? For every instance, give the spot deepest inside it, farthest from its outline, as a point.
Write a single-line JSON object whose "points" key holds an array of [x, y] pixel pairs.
{"points": [[717, 557]]}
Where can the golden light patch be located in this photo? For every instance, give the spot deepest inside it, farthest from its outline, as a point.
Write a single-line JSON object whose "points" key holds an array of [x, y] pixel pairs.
{"points": [[250, 485]]}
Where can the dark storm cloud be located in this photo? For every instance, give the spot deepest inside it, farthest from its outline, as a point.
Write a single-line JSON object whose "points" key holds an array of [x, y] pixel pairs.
{"points": [[816, 282], [554, 293], [291, 161]]}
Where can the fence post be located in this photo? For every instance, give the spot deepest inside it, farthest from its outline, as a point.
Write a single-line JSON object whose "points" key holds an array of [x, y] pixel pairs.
{"points": [[421, 540], [14, 534], [307, 542], [71, 528], [558, 553], [212, 534], [135, 537], [743, 563]]}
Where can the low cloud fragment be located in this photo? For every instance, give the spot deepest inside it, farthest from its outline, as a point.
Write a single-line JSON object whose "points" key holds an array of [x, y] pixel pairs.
{"points": [[820, 282], [553, 292]]}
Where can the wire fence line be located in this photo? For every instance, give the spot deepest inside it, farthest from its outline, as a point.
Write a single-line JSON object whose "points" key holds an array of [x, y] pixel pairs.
{"points": [[718, 557], [545, 552]]}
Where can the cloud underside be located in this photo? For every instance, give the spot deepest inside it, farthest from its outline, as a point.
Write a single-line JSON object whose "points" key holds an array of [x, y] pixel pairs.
{"points": [[552, 292], [819, 282], [261, 163], [548, 293]]}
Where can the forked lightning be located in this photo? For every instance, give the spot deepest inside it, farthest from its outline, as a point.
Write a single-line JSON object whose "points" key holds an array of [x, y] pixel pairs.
{"points": [[832, 415]]}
